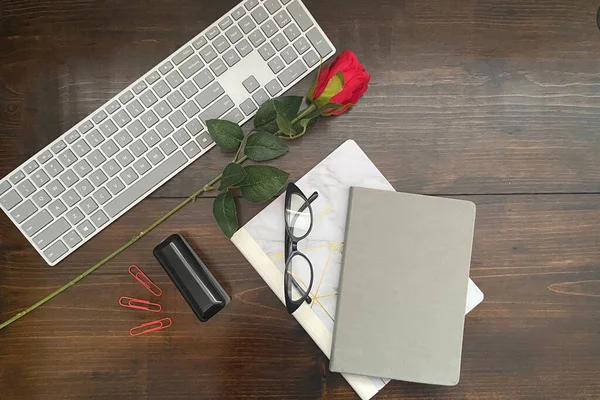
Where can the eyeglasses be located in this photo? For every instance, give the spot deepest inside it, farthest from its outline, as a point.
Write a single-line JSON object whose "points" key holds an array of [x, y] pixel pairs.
{"points": [[298, 276]]}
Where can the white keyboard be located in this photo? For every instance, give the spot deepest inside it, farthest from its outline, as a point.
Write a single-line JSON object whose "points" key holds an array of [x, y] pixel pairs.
{"points": [[96, 171]]}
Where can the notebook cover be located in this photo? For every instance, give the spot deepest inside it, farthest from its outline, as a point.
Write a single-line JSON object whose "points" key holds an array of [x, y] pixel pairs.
{"points": [[403, 287]]}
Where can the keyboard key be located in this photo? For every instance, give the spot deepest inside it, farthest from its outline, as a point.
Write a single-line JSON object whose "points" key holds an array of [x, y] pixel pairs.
{"points": [[204, 140], [188, 89], [138, 148], [4, 186], [125, 158], [102, 196], [96, 158], [208, 54], [128, 176], [109, 148], [67, 158], [257, 38], [291, 32], [83, 168], [88, 206], [301, 45], [175, 79], [70, 198], [111, 168], [55, 251], [146, 183], [135, 108], [190, 67], [209, 95], [243, 48], [162, 89], [177, 118], [247, 24], [122, 118], [176, 99], [51, 233], [217, 109], [203, 78], [26, 188], [148, 98], [37, 222], [99, 117], [292, 73], [162, 109], [84, 187], [199, 42], [231, 57], [155, 156], [248, 107], [72, 239], [74, 216], [164, 128], [212, 33], [260, 97], [57, 208], [181, 137], [53, 168], [272, 6], [72, 136], [45, 156], [98, 177], [115, 186], [190, 109], [234, 115], [69, 178], [55, 188], [311, 58], [24, 211], [136, 128], [152, 77], [142, 166], [85, 126], [250, 4], [319, 42], [259, 15], [41, 198], [221, 44], [238, 13], [168, 146], [225, 23], [58, 146], [149, 119], [151, 138], [289, 55], [126, 97], [166, 67], [17, 177], [269, 28], [112, 107], [86, 228], [251, 84], [191, 149], [276, 65], [282, 18], [95, 138], [234, 34], [99, 218], [139, 87], [182, 55], [300, 16], [279, 41], [194, 126], [266, 51], [273, 87]]}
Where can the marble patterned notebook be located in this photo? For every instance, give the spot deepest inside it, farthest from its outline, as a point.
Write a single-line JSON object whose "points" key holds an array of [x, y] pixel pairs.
{"points": [[261, 242]]}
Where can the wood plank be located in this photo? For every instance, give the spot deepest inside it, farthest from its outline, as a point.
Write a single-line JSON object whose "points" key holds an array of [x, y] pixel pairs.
{"points": [[535, 258]]}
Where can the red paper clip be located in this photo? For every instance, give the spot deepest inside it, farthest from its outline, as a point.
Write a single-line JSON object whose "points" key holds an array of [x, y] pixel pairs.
{"points": [[142, 278], [151, 327], [139, 304]]}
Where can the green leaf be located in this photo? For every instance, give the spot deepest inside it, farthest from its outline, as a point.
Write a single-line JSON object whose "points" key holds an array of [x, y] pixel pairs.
{"points": [[227, 135], [262, 146], [232, 175], [225, 213], [262, 182], [266, 116], [301, 126]]}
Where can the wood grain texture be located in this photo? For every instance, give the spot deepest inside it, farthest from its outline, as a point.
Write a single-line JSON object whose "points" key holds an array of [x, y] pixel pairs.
{"points": [[492, 101]]}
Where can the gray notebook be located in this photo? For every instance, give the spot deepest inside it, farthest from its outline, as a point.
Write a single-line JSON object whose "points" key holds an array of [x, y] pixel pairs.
{"points": [[403, 287]]}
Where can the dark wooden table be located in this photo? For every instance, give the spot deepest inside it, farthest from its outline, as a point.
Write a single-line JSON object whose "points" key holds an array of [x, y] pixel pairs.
{"points": [[493, 101]]}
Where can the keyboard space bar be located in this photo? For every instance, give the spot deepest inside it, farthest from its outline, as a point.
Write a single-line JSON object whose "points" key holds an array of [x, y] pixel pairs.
{"points": [[141, 188]]}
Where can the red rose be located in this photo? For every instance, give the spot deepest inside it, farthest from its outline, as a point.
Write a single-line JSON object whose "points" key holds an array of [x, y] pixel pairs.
{"points": [[343, 82]]}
